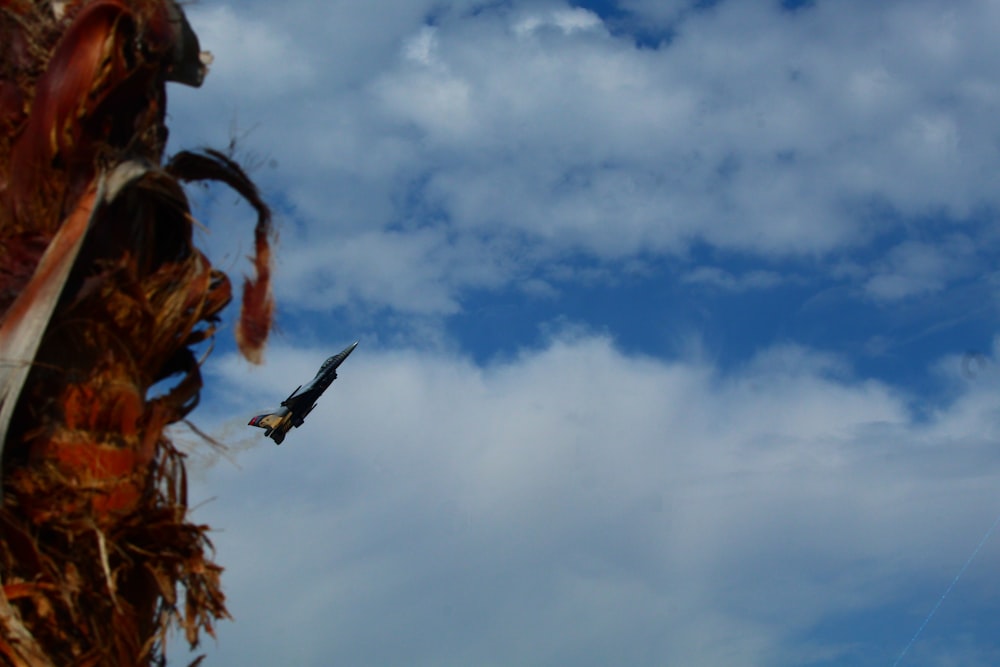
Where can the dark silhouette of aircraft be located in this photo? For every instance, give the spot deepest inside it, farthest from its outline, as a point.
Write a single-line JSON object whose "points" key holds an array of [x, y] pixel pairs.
{"points": [[294, 409]]}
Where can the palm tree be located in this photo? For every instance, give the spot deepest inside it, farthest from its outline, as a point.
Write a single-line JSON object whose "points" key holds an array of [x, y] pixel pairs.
{"points": [[103, 295]]}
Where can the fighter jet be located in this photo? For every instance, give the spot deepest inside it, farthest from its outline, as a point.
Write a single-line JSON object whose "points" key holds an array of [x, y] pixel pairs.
{"points": [[301, 402]]}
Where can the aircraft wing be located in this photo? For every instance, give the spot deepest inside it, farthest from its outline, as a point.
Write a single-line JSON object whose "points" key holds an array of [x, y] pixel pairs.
{"points": [[302, 398]]}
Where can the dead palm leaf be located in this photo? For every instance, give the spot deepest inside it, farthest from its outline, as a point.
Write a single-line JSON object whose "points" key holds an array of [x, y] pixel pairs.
{"points": [[103, 295]]}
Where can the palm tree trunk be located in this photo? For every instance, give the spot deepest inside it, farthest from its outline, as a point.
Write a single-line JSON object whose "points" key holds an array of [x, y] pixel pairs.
{"points": [[102, 295]]}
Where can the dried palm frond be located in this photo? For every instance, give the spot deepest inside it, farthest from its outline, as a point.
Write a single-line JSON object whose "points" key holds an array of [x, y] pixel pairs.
{"points": [[103, 295]]}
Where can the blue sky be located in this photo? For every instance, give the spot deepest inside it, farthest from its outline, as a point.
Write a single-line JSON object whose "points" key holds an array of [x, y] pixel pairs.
{"points": [[678, 329]]}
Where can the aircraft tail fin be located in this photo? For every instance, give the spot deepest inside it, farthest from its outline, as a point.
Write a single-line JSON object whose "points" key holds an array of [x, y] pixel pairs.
{"points": [[268, 420]]}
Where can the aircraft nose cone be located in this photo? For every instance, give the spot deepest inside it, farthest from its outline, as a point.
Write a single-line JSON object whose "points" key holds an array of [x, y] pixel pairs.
{"points": [[346, 352]]}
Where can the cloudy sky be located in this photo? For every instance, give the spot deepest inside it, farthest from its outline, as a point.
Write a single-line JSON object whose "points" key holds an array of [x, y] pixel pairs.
{"points": [[678, 328]]}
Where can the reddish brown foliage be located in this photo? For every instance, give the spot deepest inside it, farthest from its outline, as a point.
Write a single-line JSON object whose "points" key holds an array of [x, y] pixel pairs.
{"points": [[96, 245]]}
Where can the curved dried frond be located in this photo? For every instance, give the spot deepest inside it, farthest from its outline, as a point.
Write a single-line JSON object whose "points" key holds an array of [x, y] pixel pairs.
{"points": [[258, 304]]}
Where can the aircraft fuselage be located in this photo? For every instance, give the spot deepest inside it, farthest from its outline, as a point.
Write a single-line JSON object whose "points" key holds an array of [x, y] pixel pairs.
{"points": [[300, 402]]}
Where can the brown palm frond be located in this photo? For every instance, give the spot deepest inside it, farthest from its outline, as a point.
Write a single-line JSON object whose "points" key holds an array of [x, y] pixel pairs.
{"points": [[103, 295]]}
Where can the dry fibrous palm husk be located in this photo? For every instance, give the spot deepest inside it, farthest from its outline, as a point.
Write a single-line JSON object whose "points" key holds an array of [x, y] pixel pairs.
{"points": [[102, 296]]}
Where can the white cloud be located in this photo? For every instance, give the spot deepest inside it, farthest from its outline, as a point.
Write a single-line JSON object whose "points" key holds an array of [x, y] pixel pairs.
{"points": [[252, 59], [658, 13], [422, 47], [403, 270], [566, 20], [915, 268], [430, 94], [574, 505], [754, 130], [713, 276]]}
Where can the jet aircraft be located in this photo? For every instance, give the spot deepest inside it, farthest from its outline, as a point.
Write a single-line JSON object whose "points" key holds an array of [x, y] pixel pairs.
{"points": [[301, 402]]}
